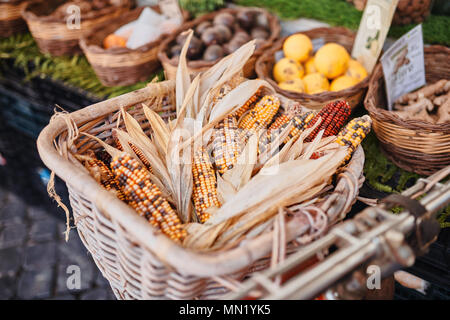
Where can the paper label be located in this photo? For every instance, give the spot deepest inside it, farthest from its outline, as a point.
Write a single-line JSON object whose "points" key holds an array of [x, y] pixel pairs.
{"points": [[404, 65], [373, 28], [318, 43], [170, 9]]}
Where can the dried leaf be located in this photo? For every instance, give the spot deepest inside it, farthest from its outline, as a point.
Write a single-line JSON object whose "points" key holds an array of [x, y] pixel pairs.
{"points": [[225, 190], [183, 78], [111, 150], [241, 172], [311, 147], [204, 236], [236, 98], [161, 131]]}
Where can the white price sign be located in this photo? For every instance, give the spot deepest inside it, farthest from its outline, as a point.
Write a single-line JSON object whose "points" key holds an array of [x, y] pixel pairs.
{"points": [[372, 32], [170, 8], [404, 65]]}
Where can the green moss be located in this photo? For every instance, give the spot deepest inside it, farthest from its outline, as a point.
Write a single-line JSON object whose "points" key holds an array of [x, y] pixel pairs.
{"points": [[381, 173], [199, 7], [444, 218], [75, 71], [342, 13]]}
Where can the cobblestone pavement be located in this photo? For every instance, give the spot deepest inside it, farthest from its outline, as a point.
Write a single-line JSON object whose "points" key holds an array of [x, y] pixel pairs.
{"points": [[34, 257]]}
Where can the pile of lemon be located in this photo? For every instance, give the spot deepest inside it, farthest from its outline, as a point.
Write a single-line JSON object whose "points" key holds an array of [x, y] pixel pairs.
{"points": [[330, 69]]}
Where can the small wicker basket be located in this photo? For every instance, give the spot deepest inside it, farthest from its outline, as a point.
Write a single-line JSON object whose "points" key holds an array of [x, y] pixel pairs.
{"points": [[53, 35], [413, 145], [11, 21], [353, 95], [408, 11], [170, 65], [121, 66], [138, 261]]}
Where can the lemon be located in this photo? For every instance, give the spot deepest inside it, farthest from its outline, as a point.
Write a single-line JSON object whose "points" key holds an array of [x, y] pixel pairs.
{"points": [[331, 60], [356, 70], [297, 47], [295, 85], [287, 69], [342, 83], [309, 66], [315, 83]]}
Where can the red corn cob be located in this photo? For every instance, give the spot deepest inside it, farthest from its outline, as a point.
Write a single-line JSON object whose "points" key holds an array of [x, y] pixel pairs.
{"points": [[334, 115]]}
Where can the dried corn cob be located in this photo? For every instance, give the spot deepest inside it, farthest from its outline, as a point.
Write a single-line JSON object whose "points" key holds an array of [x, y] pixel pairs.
{"points": [[136, 150], [205, 185], [333, 115], [279, 122], [116, 141], [262, 114], [107, 178], [141, 157], [299, 123], [145, 197], [103, 156], [248, 104], [353, 134], [226, 144]]}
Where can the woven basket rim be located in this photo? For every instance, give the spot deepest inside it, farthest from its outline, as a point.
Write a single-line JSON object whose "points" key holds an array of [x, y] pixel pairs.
{"points": [[323, 96], [29, 14], [94, 49], [11, 1], [11, 11], [390, 117], [186, 261], [275, 29]]}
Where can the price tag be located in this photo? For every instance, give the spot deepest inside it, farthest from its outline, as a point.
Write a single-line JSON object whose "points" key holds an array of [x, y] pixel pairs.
{"points": [[373, 28], [318, 43], [170, 9], [404, 65]]}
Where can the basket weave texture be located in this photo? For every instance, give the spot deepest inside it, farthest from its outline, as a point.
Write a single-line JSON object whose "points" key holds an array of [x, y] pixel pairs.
{"points": [[170, 65], [11, 21], [408, 11], [121, 66], [413, 145], [53, 36], [138, 261], [353, 95]]}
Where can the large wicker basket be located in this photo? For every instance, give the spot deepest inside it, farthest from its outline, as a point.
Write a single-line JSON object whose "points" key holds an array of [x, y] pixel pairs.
{"points": [[408, 11], [138, 261], [170, 65], [11, 21], [121, 66], [413, 145], [53, 36], [353, 95]]}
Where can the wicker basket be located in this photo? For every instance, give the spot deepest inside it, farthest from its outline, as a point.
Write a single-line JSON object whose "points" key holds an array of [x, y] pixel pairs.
{"points": [[138, 261], [121, 66], [413, 145], [353, 95], [53, 36], [408, 11], [170, 65], [11, 21]]}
